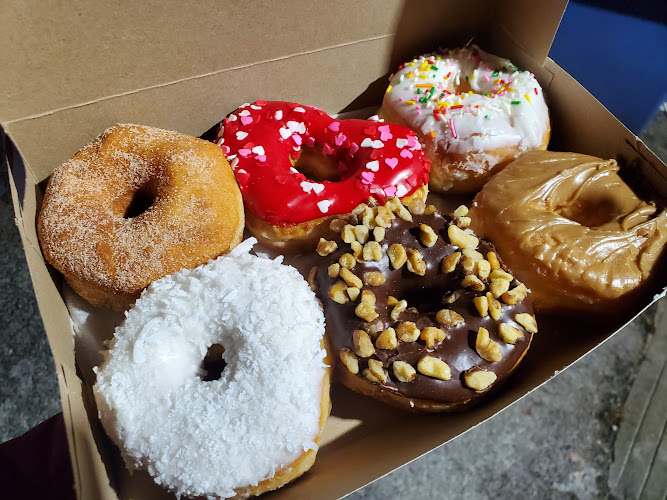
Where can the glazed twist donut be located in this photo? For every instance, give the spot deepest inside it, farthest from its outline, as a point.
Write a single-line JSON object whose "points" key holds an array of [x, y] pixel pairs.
{"points": [[571, 230], [298, 167], [259, 424], [134, 205], [421, 313], [474, 112]]}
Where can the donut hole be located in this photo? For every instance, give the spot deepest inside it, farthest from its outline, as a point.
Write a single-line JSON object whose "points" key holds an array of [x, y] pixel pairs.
{"points": [[213, 365], [142, 199], [317, 166], [589, 213]]}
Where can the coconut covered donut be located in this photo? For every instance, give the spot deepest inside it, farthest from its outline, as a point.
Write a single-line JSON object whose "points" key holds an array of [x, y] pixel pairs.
{"points": [[474, 112], [572, 230], [420, 312], [134, 205], [256, 427], [298, 168]]}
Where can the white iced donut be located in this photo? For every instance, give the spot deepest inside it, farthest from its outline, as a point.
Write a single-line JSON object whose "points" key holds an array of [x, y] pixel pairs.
{"points": [[474, 112], [255, 428]]}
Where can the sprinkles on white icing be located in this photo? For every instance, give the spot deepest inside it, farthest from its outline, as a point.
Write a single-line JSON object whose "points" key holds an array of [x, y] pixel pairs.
{"points": [[208, 438], [502, 106]]}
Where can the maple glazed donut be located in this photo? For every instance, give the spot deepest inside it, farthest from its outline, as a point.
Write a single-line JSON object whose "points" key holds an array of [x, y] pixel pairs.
{"points": [[420, 312], [134, 205], [474, 112], [571, 230], [298, 168], [259, 424]]}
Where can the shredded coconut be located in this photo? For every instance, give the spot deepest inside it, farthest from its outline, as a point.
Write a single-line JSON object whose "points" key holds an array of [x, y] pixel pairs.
{"points": [[208, 438]]}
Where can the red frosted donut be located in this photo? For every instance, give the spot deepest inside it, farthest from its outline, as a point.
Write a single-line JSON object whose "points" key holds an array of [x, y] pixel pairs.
{"points": [[297, 167]]}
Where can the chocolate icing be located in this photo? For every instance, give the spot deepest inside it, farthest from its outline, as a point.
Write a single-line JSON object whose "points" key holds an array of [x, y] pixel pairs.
{"points": [[424, 297]]}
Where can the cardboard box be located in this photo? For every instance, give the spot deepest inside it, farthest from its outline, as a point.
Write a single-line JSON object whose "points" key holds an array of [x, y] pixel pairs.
{"points": [[70, 71]]}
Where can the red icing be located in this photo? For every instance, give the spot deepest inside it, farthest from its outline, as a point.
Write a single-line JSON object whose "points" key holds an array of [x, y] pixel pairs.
{"points": [[370, 162]]}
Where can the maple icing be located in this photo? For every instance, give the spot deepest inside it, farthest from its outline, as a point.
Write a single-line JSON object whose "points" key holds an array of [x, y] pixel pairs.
{"points": [[362, 158], [570, 229]]}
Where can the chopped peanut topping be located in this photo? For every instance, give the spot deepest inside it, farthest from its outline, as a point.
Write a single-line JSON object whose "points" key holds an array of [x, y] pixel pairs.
{"points": [[483, 269], [368, 297], [463, 222], [509, 334], [434, 367], [359, 209], [515, 295], [337, 225], [350, 360], [449, 318], [403, 213], [449, 262], [356, 249], [392, 301], [416, 262], [479, 380], [363, 345], [473, 282], [487, 349], [361, 233], [461, 239], [374, 278], [376, 369], [498, 286], [337, 292], [375, 328], [430, 210], [333, 270], [348, 234], [372, 251], [311, 279], [494, 306], [408, 331], [527, 321], [384, 217], [473, 254], [397, 255], [416, 206], [431, 335], [347, 261], [449, 299], [482, 305], [428, 236], [378, 233], [493, 260], [325, 247], [353, 292], [403, 371], [400, 306], [461, 211], [367, 217], [387, 339], [499, 273], [468, 265], [366, 312], [350, 278]]}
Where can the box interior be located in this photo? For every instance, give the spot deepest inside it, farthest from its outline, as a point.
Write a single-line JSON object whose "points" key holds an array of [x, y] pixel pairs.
{"points": [[184, 67]]}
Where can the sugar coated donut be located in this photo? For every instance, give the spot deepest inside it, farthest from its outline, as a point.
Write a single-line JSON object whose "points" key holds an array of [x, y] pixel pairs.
{"points": [[298, 167], [474, 112], [256, 427], [134, 205], [421, 313], [571, 230]]}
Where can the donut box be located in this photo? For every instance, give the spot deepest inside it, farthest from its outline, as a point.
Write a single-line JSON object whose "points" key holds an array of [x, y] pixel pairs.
{"points": [[76, 71]]}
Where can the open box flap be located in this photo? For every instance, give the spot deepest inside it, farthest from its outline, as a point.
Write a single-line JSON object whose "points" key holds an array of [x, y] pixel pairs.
{"points": [[59, 55]]}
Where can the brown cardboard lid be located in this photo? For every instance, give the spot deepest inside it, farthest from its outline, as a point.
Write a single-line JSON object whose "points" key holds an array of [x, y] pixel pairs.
{"points": [[59, 55]]}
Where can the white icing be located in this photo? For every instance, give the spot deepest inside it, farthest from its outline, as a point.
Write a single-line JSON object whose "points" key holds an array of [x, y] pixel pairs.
{"points": [[495, 123], [208, 438]]}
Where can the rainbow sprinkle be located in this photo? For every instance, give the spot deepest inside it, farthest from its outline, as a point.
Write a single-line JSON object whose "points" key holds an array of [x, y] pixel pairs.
{"points": [[452, 127]]}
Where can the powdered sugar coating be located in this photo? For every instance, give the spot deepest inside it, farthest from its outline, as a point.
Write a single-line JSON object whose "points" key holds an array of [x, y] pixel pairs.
{"points": [[209, 438]]}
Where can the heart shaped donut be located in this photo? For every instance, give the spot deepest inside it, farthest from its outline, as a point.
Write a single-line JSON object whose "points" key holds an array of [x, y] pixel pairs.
{"points": [[298, 167]]}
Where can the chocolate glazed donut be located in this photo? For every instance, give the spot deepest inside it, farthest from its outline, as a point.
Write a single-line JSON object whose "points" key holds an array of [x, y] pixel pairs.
{"points": [[420, 312]]}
